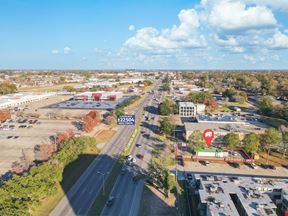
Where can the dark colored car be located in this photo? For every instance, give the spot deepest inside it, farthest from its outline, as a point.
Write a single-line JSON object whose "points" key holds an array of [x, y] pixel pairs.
{"points": [[140, 156], [138, 145], [268, 166], [110, 201], [235, 165], [189, 176]]}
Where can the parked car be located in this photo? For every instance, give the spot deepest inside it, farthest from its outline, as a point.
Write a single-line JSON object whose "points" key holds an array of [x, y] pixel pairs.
{"points": [[138, 145], [189, 176], [235, 165], [253, 166], [123, 171]]}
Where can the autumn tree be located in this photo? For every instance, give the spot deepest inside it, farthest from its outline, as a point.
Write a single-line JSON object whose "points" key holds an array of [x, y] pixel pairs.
{"points": [[4, 115], [92, 119]]}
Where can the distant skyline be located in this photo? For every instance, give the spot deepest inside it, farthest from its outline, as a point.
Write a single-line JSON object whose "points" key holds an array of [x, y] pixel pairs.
{"points": [[147, 34]]}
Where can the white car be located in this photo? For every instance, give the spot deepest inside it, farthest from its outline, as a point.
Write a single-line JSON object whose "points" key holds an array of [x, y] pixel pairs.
{"points": [[133, 160], [253, 166], [129, 158]]}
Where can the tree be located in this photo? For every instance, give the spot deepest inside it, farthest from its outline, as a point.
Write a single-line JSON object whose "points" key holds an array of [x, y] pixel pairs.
{"points": [[211, 104], [251, 143], [265, 104], [196, 140], [270, 138], [91, 120], [231, 140], [164, 108], [7, 88], [4, 115], [69, 88], [199, 97], [285, 142], [166, 127]]}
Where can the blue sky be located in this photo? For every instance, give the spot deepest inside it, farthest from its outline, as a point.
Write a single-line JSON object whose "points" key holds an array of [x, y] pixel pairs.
{"points": [[113, 34]]}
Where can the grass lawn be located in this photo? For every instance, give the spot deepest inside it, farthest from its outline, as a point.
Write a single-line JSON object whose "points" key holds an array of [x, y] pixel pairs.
{"points": [[104, 136], [70, 175], [46, 88]]}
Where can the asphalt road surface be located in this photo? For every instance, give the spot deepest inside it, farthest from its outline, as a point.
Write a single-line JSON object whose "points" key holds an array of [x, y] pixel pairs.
{"points": [[83, 193], [127, 193]]}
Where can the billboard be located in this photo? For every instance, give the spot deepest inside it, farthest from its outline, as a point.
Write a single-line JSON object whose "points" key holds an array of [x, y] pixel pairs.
{"points": [[126, 120]]}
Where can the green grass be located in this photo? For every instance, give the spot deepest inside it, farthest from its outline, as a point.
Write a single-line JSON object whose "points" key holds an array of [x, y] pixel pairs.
{"points": [[70, 175], [46, 88]]}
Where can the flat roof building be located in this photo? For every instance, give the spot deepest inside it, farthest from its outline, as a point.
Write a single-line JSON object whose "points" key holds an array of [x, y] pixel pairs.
{"points": [[18, 99], [189, 109], [99, 96], [224, 195]]}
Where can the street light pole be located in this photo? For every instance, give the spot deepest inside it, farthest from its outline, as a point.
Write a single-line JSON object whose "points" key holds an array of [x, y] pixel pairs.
{"points": [[103, 181]]}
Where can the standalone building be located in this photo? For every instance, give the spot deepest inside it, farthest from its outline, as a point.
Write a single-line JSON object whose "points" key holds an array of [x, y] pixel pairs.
{"points": [[99, 96], [189, 109], [239, 196]]}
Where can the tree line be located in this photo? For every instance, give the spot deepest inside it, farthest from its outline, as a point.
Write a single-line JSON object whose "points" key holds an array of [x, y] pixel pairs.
{"points": [[23, 193]]}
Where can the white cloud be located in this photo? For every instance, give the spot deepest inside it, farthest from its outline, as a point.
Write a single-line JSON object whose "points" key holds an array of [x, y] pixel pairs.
{"points": [[131, 27], [278, 4], [230, 15], [178, 37], [55, 52], [278, 41], [67, 50], [250, 59]]}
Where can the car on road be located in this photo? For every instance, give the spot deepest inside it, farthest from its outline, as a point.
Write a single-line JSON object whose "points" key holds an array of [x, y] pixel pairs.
{"points": [[189, 176], [123, 171], [138, 145], [110, 201], [133, 160], [130, 157]]}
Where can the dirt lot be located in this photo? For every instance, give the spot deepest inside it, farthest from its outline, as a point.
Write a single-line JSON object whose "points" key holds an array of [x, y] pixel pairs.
{"points": [[154, 203]]}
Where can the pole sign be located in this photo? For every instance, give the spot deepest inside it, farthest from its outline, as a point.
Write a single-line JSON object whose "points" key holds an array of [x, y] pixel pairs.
{"points": [[126, 120]]}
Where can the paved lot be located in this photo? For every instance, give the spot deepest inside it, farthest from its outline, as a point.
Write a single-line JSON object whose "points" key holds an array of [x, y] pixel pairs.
{"points": [[99, 105], [225, 168], [11, 148]]}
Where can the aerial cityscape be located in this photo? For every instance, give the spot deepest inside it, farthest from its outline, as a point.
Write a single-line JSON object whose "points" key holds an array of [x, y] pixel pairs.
{"points": [[144, 108]]}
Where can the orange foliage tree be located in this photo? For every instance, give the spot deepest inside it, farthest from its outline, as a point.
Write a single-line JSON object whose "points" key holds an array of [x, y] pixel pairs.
{"points": [[4, 114], [44, 152], [63, 136], [92, 119]]}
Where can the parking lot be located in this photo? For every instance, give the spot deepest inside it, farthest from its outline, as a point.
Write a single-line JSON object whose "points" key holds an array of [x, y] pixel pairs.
{"points": [[99, 105], [25, 135], [225, 168]]}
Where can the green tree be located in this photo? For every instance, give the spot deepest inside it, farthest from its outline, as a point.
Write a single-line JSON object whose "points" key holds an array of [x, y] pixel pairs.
{"points": [[199, 97], [231, 140], [270, 138], [166, 127], [251, 142], [265, 104], [196, 140]]}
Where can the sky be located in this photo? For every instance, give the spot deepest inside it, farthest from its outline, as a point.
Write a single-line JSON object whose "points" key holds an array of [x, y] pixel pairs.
{"points": [[144, 34]]}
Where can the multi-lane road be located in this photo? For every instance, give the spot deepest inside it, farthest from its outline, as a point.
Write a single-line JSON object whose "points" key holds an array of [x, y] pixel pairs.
{"points": [[126, 192], [79, 199]]}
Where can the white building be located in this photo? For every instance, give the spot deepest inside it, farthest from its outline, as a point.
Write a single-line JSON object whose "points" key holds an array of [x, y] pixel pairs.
{"points": [[18, 99], [189, 109]]}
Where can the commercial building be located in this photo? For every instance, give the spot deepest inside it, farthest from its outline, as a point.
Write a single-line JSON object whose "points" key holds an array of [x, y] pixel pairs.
{"points": [[244, 196], [18, 99], [99, 96], [189, 109]]}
